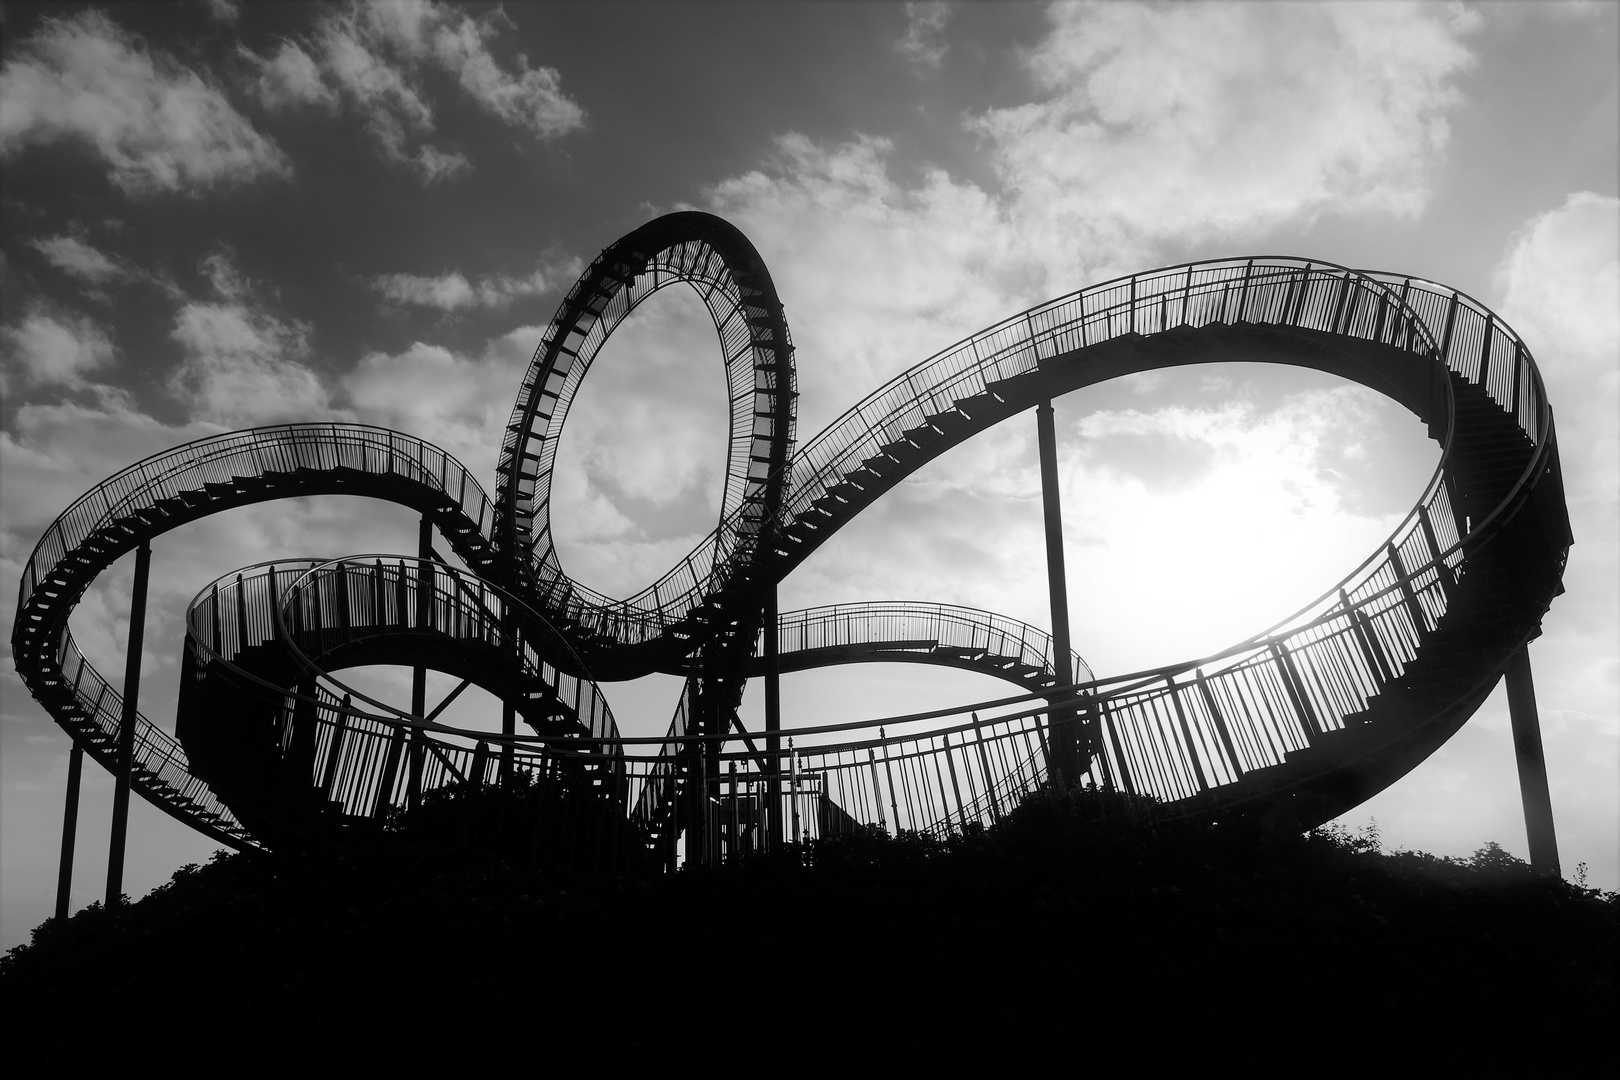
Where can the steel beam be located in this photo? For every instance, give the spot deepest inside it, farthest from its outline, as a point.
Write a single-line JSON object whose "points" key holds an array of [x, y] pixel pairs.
{"points": [[70, 831], [773, 720], [1062, 759], [424, 583], [1538, 817], [126, 724]]}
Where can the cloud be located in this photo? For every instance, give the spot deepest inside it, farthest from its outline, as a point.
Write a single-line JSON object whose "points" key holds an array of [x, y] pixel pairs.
{"points": [[1187, 121], [224, 11], [56, 349], [74, 257], [923, 42], [288, 78], [876, 275], [453, 292], [531, 98], [241, 364], [458, 402], [375, 55], [157, 124], [1559, 279]]}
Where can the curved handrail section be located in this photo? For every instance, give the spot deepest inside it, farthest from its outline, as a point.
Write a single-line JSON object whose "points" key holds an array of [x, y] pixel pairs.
{"points": [[730, 278], [890, 631], [169, 489], [276, 633]]}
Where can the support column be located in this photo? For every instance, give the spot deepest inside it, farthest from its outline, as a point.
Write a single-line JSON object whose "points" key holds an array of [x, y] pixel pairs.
{"points": [[1538, 818], [508, 749], [1063, 764], [773, 720], [126, 724], [508, 763], [70, 832], [424, 583]]}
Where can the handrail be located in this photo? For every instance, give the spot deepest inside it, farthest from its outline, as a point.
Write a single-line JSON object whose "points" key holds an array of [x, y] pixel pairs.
{"points": [[180, 480], [270, 618], [949, 625]]}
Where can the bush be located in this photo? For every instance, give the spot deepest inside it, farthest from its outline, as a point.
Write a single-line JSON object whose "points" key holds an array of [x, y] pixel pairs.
{"points": [[531, 824]]}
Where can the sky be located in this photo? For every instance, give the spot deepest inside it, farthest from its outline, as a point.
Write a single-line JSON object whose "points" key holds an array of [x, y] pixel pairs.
{"points": [[218, 215]]}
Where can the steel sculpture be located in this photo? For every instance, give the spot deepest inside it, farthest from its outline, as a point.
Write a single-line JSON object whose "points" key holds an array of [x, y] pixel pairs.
{"points": [[1296, 724]]}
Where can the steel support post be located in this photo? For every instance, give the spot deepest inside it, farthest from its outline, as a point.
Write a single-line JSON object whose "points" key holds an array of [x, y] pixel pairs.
{"points": [[773, 721], [424, 582], [126, 724], [793, 786], [70, 831], [508, 748], [1062, 762], [1538, 817]]}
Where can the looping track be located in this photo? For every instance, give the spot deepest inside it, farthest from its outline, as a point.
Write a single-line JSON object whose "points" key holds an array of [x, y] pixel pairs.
{"points": [[1299, 722]]}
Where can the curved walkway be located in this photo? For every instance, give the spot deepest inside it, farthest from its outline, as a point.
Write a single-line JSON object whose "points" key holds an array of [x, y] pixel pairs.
{"points": [[1301, 721]]}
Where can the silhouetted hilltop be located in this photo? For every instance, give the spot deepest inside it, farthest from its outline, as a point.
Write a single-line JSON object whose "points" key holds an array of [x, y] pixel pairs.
{"points": [[1077, 924]]}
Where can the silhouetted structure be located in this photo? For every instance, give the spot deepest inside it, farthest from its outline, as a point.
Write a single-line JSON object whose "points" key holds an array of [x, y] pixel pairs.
{"points": [[1296, 724]]}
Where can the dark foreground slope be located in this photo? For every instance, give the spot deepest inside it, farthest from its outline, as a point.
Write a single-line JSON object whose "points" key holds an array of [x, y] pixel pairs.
{"points": [[1080, 933]]}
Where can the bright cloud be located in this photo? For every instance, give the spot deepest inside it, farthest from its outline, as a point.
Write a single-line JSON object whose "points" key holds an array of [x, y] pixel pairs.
{"points": [[458, 402], [74, 257], [157, 124], [1202, 120], [241, 364], [289, 77], [876, 275], [56, 348], [375, 56], [454, 292]]}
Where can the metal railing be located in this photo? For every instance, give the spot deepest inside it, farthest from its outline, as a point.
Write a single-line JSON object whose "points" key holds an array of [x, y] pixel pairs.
{"points": [[300, 611], [998, 643], [150, 496], [747, 320]]}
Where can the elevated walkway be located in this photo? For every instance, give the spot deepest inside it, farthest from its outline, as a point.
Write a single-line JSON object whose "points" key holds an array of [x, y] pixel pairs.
{"points": [[1299, 722]]}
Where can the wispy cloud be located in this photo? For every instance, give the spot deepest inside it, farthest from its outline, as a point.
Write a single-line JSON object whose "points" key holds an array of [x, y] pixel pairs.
{"points": [[54, 348], [225, 11], [1189, 121], [78, 259], [242, 364], [453, 291], [373, 56], [923, 42], [157, 124], [288, 77], [456, 400]]}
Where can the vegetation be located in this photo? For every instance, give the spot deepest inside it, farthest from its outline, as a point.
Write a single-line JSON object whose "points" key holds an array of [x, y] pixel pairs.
{"points": [[1077, 922]]}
